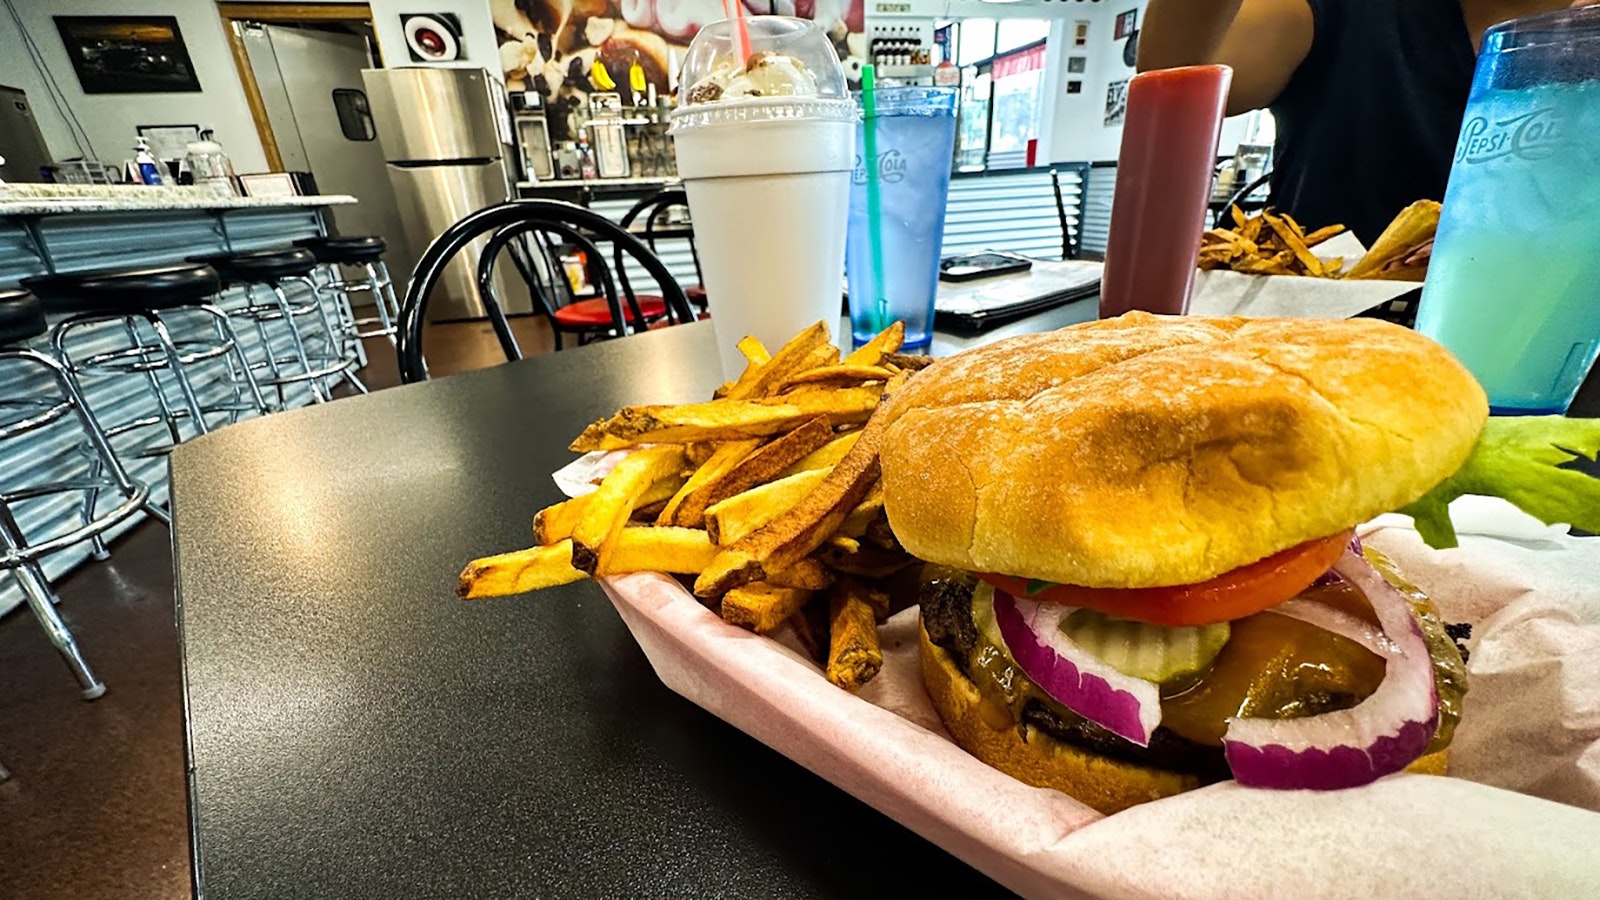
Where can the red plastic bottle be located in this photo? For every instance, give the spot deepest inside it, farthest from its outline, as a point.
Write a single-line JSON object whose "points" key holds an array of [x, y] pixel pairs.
{"points": [[1164, 171]]}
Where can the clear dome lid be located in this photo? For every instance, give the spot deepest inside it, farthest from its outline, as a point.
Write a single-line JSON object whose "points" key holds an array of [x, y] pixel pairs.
{"points": [[788, 58]]}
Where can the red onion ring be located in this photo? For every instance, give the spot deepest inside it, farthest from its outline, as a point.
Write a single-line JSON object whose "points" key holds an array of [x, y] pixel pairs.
{"points": [[1126, 706], [1338, 622], [1350, 747]]}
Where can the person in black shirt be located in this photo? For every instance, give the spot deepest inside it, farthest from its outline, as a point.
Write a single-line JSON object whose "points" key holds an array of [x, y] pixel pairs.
{"points": [[1368, 95]]}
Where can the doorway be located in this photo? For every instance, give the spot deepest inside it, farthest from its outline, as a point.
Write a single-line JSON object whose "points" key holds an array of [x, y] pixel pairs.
{"points": [[301, 70]]}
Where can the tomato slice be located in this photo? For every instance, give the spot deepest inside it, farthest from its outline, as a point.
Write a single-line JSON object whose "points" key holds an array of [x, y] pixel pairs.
{"points": [[1231, 595]]}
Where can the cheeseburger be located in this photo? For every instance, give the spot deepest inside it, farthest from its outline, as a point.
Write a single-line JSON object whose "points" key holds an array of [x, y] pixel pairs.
{"points": [[1144, 572]]}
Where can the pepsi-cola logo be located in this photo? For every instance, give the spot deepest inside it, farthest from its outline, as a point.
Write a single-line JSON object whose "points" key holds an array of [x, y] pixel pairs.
{"points": [[1531, 136], [891, 168]]}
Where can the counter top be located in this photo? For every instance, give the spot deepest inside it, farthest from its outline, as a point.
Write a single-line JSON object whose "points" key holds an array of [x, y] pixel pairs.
{"points": [[52, 199], [575, 183]]}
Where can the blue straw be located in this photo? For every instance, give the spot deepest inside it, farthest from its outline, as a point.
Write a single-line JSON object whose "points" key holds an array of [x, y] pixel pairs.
{"points": [[869, 154]]}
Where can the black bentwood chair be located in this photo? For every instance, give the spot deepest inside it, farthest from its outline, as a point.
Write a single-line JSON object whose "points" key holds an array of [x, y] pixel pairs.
{"points": [[648, 220], [533, 230]]}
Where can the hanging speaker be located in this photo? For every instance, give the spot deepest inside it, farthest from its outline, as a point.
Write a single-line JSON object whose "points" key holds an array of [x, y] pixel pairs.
{"points": [[433, 37]]}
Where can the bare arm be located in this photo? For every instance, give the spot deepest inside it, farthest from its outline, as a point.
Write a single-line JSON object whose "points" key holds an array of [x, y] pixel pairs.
{"points": [[1263, 40]]}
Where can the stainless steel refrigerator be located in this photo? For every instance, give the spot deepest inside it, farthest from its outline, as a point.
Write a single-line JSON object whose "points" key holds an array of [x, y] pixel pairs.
{"points": [[446, 136]]}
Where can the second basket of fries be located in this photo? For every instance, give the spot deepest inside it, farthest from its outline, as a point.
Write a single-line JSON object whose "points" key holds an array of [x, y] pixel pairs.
{"points": [[1269, 264]]}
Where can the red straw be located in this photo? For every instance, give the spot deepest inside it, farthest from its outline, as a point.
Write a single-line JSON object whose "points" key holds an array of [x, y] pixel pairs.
{"points": [[734, 9]]}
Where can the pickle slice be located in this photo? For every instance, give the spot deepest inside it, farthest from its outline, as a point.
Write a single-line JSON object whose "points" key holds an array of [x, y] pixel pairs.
{"points": [[1151, 652]]}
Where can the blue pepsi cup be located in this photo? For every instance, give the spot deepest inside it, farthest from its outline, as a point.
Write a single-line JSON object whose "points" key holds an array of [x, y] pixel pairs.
{"points": [[915, 131], [1513, 287]]}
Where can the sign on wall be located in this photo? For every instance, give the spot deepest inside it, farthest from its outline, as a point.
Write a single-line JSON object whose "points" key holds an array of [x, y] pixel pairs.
{"points": [[1116, 102], [1126, 23]]}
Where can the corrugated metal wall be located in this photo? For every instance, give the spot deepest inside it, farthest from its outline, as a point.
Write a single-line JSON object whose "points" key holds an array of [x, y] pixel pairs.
{"points": [[87, 242], [1097, 207]]}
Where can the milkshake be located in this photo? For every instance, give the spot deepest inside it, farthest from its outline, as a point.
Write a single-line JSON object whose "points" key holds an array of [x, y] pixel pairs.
{"points": [[765, 144]]}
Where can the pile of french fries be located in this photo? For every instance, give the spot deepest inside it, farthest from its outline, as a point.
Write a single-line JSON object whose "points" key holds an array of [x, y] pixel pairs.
{"points": [[1272, 244], [1268, 244], [768, 495]]}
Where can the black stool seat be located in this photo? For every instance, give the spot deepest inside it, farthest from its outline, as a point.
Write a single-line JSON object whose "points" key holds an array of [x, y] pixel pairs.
{"points": [[262, 266], [351, 251], [165, 287], [21, 317]]}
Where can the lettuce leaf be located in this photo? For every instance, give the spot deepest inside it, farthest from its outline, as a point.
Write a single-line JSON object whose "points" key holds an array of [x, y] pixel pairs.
{"points": [[1523, 459]]}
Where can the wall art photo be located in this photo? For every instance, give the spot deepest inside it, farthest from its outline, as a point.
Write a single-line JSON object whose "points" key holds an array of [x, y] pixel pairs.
{"points": [[567, 49], [128, 54]]}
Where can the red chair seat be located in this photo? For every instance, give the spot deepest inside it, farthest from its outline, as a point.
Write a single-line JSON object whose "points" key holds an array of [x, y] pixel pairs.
{"points": [[596, 313], [696, 294]]}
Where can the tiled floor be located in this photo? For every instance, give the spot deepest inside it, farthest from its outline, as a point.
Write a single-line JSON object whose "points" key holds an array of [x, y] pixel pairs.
{"points": [[96, 804]]}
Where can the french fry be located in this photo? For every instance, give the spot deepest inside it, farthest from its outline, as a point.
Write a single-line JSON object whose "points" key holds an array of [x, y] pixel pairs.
{"points": [[908, 361], [790, 358], [810, 627], [756, 468], [837, 376], [868, 562], [880, 534], [808, 574], [1288, 232], [872, 352], [846, 544], [762, 607], [731, 519], [753, 350], [518, 572], [648, 549], [866, 512], [608, 512], [553, 523], [796, 533], [654, 548], [854, 655], [721, 461], [721, 420], [1324, 233], [825, 457]]}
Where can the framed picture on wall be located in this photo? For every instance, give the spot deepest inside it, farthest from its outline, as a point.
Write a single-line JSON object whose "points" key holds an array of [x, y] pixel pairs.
{"points": [[1077, 64], [128, 54], [1074, 87], [1126, 23], [1080, 33]]}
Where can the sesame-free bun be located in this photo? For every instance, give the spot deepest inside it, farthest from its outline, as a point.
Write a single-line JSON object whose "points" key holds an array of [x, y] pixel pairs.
{"points": [[1146, 450], [1036, 758]]}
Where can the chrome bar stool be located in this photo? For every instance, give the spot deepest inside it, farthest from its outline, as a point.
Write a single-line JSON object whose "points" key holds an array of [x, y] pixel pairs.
{"points": [[315, 358], [335, 253], [142, 301], [57, 399]]}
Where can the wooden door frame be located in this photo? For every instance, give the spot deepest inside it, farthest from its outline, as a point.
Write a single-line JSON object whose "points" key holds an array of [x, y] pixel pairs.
{"points": [[282, 14]]}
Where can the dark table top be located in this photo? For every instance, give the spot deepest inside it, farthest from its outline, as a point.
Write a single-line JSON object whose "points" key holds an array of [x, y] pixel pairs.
{"points": [[357, 731]]}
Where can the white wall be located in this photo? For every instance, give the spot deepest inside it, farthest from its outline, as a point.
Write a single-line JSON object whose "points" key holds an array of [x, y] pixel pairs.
{"points": [[1077, 130], [110, 119], [477, 31]]}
